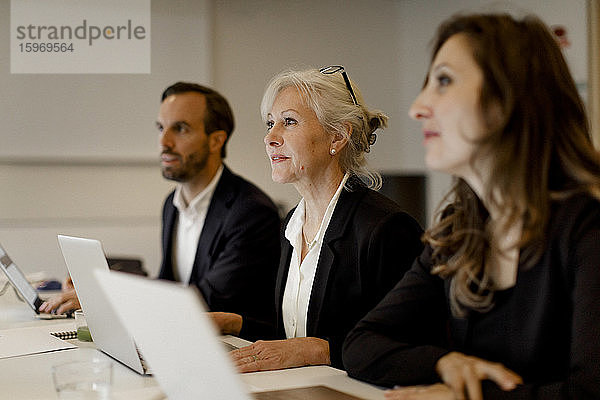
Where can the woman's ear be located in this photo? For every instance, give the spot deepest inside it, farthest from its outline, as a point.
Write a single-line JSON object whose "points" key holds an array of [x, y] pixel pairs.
{"points": [[340, 139]]}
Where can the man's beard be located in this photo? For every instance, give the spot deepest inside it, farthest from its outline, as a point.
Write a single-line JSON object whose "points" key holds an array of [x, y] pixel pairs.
{"points": [[188, 168]]}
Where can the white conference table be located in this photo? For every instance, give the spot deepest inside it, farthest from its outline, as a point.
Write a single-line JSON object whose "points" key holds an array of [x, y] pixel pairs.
{"points": [[29, 376]]}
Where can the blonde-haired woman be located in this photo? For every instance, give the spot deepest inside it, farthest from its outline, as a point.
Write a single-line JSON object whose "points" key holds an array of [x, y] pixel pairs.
{"points": [[344, 245]]}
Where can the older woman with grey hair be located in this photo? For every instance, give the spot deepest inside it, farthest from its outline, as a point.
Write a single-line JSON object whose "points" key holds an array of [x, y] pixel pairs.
{"points": [[344, 245]]}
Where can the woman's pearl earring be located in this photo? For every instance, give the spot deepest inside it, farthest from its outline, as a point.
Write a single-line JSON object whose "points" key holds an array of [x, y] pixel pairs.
{"points": [[332, 152]]}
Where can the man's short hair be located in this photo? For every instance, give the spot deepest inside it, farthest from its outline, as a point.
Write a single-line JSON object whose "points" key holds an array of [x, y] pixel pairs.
{"points": [[218, 116]]}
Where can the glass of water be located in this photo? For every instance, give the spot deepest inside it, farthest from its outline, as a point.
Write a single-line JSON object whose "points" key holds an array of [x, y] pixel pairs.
{"points": [[79, 380]]}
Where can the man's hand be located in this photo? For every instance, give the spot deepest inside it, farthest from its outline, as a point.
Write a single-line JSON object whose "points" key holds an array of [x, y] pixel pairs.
{"points": [[61, 303], [228, 323]]}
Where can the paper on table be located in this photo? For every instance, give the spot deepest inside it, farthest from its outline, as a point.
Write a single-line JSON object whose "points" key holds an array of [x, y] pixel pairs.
{"points": [[31, 340]]}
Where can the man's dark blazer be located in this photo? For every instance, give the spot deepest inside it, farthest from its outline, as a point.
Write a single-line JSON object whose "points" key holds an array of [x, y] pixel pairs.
{"points": [[238, 250], [368, 246]]}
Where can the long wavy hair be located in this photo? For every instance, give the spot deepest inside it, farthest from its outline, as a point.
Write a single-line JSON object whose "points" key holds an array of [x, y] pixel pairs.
{"points": [[541, 151]]}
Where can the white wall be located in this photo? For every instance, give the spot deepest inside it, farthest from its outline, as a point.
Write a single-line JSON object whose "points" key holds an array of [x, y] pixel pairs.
{"points": [[79, 153], [382, 43]]}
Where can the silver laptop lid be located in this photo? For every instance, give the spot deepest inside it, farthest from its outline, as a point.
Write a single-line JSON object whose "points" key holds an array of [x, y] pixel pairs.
{"points": [[83, 257], [177, 338], [18, 280]]}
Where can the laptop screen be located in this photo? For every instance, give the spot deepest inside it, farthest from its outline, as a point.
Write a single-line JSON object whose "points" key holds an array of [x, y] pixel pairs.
{"points": [[18, 280]]}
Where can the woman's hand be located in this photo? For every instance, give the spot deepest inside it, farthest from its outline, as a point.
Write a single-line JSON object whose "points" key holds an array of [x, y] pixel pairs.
{"points": [[438, 391], [228, 323], [279, 354], [463, 374]]}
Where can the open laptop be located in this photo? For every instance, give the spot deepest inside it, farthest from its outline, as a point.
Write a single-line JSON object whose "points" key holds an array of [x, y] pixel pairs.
{"points": [[83, 257], [180, 342], [23, 287]]}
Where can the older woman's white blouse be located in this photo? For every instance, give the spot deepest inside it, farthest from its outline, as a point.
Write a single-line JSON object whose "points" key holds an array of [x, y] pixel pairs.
{"points": [[301, 275]]}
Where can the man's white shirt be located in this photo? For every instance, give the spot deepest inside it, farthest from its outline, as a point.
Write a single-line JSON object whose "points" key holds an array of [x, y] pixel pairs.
{"points": [[189, 226]]}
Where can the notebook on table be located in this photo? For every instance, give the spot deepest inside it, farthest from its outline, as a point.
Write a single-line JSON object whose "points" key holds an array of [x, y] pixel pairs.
{"points": [[23, 287], [180, 342], [83, 257]]}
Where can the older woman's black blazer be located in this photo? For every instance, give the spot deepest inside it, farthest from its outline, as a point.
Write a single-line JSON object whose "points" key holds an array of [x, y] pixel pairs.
{"points": [[368, 246]]}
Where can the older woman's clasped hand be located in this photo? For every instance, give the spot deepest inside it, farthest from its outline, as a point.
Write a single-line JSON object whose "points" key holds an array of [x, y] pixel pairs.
{"points": [[266, 355], [462, 376]]}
